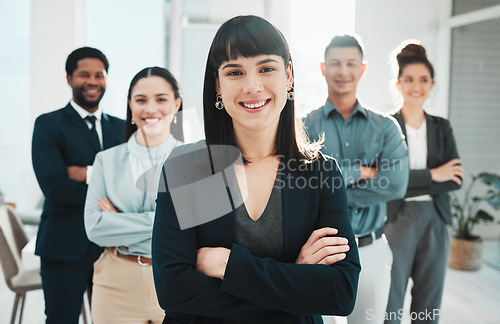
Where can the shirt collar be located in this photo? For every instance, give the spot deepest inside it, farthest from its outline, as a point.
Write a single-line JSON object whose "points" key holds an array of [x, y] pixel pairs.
{"points": [[329, 108], [84, 113]]}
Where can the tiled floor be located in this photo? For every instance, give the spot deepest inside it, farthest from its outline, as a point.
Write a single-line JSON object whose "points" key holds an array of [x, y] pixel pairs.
{"points": [[469, 297]]}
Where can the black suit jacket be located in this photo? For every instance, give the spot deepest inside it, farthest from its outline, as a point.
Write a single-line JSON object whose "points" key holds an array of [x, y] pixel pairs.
{"points": [[257, 290], [441, 148], [62, 138]]}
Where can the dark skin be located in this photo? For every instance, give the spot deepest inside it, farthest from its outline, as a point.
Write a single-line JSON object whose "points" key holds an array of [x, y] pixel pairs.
{"points": [[90, 78], [77, 173]]}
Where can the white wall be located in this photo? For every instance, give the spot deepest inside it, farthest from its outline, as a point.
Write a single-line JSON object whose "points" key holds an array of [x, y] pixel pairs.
{"points": [[312, 28], [132, 36], [15, 121], [56, 29], [383, 25]]}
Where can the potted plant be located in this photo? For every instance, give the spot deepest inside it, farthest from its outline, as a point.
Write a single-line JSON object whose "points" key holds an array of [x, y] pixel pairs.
{"points": [[466, 248]]}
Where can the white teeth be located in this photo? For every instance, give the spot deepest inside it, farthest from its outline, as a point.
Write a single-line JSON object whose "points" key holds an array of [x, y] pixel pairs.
{"points": [[253, 106], [151, 120]]}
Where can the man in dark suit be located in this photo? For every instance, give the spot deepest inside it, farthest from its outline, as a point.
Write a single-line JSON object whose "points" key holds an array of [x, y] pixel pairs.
{"points": [[64, 145]]}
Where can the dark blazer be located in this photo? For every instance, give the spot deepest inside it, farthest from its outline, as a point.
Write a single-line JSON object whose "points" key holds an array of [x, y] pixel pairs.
{"points": [[441, 148], [258, 290], [62, 138]]}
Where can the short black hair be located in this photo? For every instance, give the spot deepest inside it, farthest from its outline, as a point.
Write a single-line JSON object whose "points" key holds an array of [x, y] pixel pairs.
{"points": [[346, 40], [83, 53]]}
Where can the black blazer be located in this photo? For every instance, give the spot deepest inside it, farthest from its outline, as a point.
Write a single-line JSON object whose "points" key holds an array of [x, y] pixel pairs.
{"points": [[258, 290], [441, 148], [62, 138]]}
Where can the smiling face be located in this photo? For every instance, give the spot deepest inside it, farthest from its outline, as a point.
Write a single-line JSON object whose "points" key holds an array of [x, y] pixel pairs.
{"points": [[415, 84], [153, 105], [254, 91], [342, 70], [88, 82]]}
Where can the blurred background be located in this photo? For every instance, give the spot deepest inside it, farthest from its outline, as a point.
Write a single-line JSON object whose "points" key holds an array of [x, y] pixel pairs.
{"points": [[462, 38]]}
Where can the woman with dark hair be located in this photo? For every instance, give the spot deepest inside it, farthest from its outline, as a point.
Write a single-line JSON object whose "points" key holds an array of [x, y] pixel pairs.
{"points": [[285, 251], [120, 203], [416, 226]]}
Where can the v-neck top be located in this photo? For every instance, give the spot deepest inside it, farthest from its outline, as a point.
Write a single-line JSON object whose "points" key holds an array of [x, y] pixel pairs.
{"points": [[263, 237]]}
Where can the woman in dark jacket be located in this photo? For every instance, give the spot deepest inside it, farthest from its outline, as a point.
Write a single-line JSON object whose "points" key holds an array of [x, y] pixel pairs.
{"points": [[416, 227], [265, 240]]}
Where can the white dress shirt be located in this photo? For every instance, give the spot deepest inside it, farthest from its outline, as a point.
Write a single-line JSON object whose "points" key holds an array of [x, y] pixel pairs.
{"points": [[417, 151], [98, 127]]}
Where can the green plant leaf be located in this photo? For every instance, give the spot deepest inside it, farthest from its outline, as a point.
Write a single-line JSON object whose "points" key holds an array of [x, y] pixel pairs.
{"points": [[482, 216], [465, 210], [494, 201], [458, 208], [491, 179]]}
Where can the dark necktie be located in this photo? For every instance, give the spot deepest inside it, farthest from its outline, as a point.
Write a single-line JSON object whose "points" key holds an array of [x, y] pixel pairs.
{"points": [[93, 131]]}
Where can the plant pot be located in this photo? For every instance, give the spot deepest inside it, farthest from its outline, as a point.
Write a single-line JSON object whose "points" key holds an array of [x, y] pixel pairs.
{"points": [[466, 254]]}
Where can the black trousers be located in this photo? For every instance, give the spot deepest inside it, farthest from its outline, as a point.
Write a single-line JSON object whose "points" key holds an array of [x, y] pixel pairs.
{"points": [[64, 283]]}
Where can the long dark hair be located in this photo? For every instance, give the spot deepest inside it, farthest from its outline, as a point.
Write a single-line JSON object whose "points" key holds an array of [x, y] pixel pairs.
{"points": [[250, 36], [175, 128]]}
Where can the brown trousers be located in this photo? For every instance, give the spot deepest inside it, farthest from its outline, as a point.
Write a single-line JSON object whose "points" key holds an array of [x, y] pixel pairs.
{"points": [[123, 292]]}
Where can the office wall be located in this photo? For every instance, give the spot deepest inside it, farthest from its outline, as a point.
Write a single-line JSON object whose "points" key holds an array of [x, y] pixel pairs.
{"points": [[15, 120], [383, 25]]}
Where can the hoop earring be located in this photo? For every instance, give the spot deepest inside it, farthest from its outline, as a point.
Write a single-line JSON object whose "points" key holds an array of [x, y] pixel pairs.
{"points": [[290, 95], [218, 103]]}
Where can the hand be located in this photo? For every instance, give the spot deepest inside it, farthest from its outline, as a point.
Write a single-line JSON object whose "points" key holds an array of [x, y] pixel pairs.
{"points": [[212, 261], [452, 170], [106, 205], [321, 248], [367, 172], [77, 173]]}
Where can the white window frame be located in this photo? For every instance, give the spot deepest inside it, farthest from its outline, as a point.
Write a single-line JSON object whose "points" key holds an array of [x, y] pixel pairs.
{"points": [[446, 25]]}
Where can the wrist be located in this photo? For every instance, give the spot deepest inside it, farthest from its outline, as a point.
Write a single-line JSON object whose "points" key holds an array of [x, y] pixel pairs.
{"points": [[433, 174]]}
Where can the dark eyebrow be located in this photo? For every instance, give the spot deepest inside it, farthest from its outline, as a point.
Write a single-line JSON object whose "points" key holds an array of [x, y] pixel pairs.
{"points": [[266, 61], [231, 65], [156, 95]]}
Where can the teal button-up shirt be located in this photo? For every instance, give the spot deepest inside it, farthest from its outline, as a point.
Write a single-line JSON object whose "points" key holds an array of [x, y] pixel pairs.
{"points": [[366, 138]]}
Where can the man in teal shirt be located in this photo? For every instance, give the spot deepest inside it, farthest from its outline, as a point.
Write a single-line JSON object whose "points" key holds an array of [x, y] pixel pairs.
{"points": [[370, 149]]}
